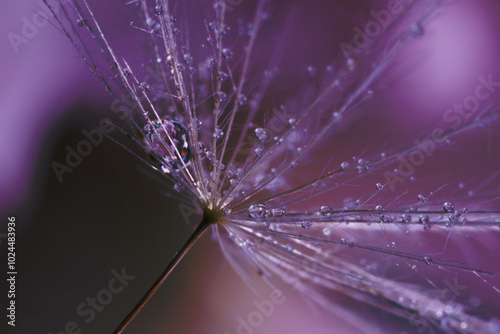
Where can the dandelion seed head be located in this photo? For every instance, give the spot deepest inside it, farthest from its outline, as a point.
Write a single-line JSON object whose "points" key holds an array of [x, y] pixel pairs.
{"points": [[260, 159]]}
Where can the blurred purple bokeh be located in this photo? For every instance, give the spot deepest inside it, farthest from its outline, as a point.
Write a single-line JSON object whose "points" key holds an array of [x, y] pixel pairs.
{"points": [[110, 212]]}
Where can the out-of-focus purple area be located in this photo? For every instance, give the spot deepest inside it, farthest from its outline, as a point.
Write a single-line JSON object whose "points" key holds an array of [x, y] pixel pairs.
{"points": [[111, 212]]}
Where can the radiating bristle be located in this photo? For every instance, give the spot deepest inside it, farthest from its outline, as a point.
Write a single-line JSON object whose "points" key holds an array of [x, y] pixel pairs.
{"points": [[269, 161]]}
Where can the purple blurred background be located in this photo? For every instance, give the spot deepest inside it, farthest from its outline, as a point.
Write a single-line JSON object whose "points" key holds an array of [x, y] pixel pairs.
{"points": [[111, 213]]}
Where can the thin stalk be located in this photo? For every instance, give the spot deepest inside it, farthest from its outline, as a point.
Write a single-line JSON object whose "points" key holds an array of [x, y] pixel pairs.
{"points": [[164, 275]]}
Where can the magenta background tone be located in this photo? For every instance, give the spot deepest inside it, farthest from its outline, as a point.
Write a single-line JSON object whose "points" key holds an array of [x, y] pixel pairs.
{"points": [[108, 214]]}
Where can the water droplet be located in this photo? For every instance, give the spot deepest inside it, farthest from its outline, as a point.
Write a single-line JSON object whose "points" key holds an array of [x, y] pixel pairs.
{"points": [[225, 29], [257, 211], [218, 6], [169, 142], [210, 155], [233, 182], [188, 59], [278, 212], [428, 260], [203, 150], [379, 186], [345, 165], [221, 96], [422, 198], [80, 22], [261, 134], [242, 100], [343, 241], [306, 224], [227, 53], [326, 231], [294, 164], [424, 219], [258, 151], [148, 129], [380, 208], [393, 245], [218, 133], [126, 72], [406, 218], [144, 86], [267, 224], [222, 76], [159, 10], [230, 174], [178, 187], [448, 206], [386, 218], [311, 70], [325, 210]]}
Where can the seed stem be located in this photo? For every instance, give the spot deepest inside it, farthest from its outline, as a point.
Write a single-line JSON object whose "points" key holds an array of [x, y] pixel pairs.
{"points": [[164, 275]]}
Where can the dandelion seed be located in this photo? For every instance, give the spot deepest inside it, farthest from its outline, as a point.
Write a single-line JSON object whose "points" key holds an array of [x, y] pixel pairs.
{"points": [[260, 191]]}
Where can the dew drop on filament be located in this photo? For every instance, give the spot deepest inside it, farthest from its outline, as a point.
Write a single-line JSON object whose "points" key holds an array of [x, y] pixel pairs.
{"points": [[257, 211], [406, 218], [259, 151], [448, 207], [144, 86], [218, 133], [168, 141], [422, 198], [159, 10], [278, 212], [306, 224], [227, 53], [325, 210], [210, 155], [261, 134]]}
